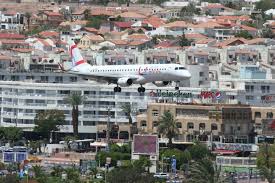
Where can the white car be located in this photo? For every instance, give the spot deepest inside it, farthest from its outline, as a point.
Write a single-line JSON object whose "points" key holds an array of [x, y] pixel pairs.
{"points": [[161, 175], [98, 176]]}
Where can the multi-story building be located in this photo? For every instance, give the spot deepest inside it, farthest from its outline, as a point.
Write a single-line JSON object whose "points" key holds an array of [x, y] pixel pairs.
{"points": [[12, 21], [208, 122]]}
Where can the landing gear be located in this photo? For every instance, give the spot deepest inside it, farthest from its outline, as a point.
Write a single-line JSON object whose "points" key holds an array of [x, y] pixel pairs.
{"points": [[177, 85], [117, 89], [141, 89]]}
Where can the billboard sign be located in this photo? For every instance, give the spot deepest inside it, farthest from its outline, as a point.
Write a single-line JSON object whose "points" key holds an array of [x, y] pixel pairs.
{"points": [[145, 145]]}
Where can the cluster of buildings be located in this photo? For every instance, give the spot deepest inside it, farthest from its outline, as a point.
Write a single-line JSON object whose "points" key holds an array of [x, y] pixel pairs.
{"points": [[229, 97]]}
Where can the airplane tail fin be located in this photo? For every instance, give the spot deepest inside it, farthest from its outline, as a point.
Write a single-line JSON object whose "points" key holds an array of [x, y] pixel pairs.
{"points": [[75, 54]]}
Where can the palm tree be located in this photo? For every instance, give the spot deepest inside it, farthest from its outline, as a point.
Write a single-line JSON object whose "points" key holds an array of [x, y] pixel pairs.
{"points": [[75, 99], [127, 109], [168, 126], [205, 171], [38, 171], [57, 171], [28, 17]]}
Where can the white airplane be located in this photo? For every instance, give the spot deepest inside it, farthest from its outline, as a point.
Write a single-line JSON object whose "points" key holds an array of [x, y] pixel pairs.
{"points": [[126, 75]]}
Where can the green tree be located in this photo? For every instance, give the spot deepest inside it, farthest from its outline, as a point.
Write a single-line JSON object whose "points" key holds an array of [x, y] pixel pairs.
{"points": [[205, 171], [244, 34], [9, 178], [143, 163], [57, 171], [12, 167], [129, 174], [265, 161], [198, 151], [28, 17], [11, 134], [48, 121], [127, 108], [183, 41], [167, 127], [96, 21], [73, 175], [265, 5], [39, 174], [181, 157], [189, 10], [66, 13], [75, 99]]}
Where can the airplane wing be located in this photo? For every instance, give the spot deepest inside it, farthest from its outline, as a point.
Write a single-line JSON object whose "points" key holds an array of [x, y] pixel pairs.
{"points": [[108, 79]]}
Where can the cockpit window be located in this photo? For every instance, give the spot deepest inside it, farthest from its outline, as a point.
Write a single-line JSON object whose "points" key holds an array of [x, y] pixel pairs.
{"points": [[181, 68], [176, 68]]}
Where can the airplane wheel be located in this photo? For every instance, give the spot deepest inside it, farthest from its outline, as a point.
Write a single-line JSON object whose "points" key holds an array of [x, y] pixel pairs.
{"points": [[142, 89], [115, 89], [119, 89], [177, 88]]}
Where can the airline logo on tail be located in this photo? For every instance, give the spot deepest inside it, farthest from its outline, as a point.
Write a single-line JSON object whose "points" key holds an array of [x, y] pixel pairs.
{"points": [[76, 56]]}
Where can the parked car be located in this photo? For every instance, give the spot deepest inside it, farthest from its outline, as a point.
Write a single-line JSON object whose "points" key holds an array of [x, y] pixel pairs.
{"points": [[98, 176], [161, 175]]}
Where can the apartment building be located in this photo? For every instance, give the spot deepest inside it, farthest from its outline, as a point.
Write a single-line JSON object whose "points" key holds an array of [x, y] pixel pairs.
{"points": [[11, 20], [208, 122]]}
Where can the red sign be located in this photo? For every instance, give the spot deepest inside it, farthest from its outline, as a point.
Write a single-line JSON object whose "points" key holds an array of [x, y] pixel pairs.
{"points": [[210, 94]]}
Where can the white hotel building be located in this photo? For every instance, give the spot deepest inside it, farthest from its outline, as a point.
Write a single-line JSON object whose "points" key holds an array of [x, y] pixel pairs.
{"points": [[21, 100]]}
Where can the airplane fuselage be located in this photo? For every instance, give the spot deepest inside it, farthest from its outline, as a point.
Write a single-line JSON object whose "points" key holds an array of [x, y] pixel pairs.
{"points": [[140, 74]]}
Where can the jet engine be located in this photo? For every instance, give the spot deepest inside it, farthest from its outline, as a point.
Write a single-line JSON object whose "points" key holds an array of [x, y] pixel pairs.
{"points": [[124, 82], [161, 83]]}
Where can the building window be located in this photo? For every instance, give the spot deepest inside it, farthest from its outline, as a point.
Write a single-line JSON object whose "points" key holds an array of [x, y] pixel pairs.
{"points": [[257, 115], [73, 79], [155, 124], [214, 126], [269, 115], [249, 97], [265, 89], [249, 88], [190, 125], [179, 125], [201, 74], [143, 123], [155, 113], [202, 126]]}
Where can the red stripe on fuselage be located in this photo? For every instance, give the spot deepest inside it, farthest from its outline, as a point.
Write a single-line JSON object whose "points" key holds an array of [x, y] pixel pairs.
{"points": [[71, 50], [79, 62]]}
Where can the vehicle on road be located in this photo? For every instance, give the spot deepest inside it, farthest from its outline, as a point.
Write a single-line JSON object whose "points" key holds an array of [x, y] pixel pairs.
{"points": [[161, 175]]}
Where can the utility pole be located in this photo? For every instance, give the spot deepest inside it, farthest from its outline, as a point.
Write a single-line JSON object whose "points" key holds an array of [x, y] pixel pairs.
{"points": [[108, 130]]}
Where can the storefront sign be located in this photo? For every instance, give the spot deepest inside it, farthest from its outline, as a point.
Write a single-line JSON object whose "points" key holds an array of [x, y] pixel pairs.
{"points": [[235, 146], [176, 94], [210, 95]]}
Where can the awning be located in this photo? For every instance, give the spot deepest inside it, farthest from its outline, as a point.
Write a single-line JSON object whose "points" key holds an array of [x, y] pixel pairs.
{"points": [[224, 152]]}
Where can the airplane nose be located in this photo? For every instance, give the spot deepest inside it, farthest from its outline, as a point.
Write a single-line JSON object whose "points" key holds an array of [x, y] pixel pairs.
{"points": [[188, 74]]}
